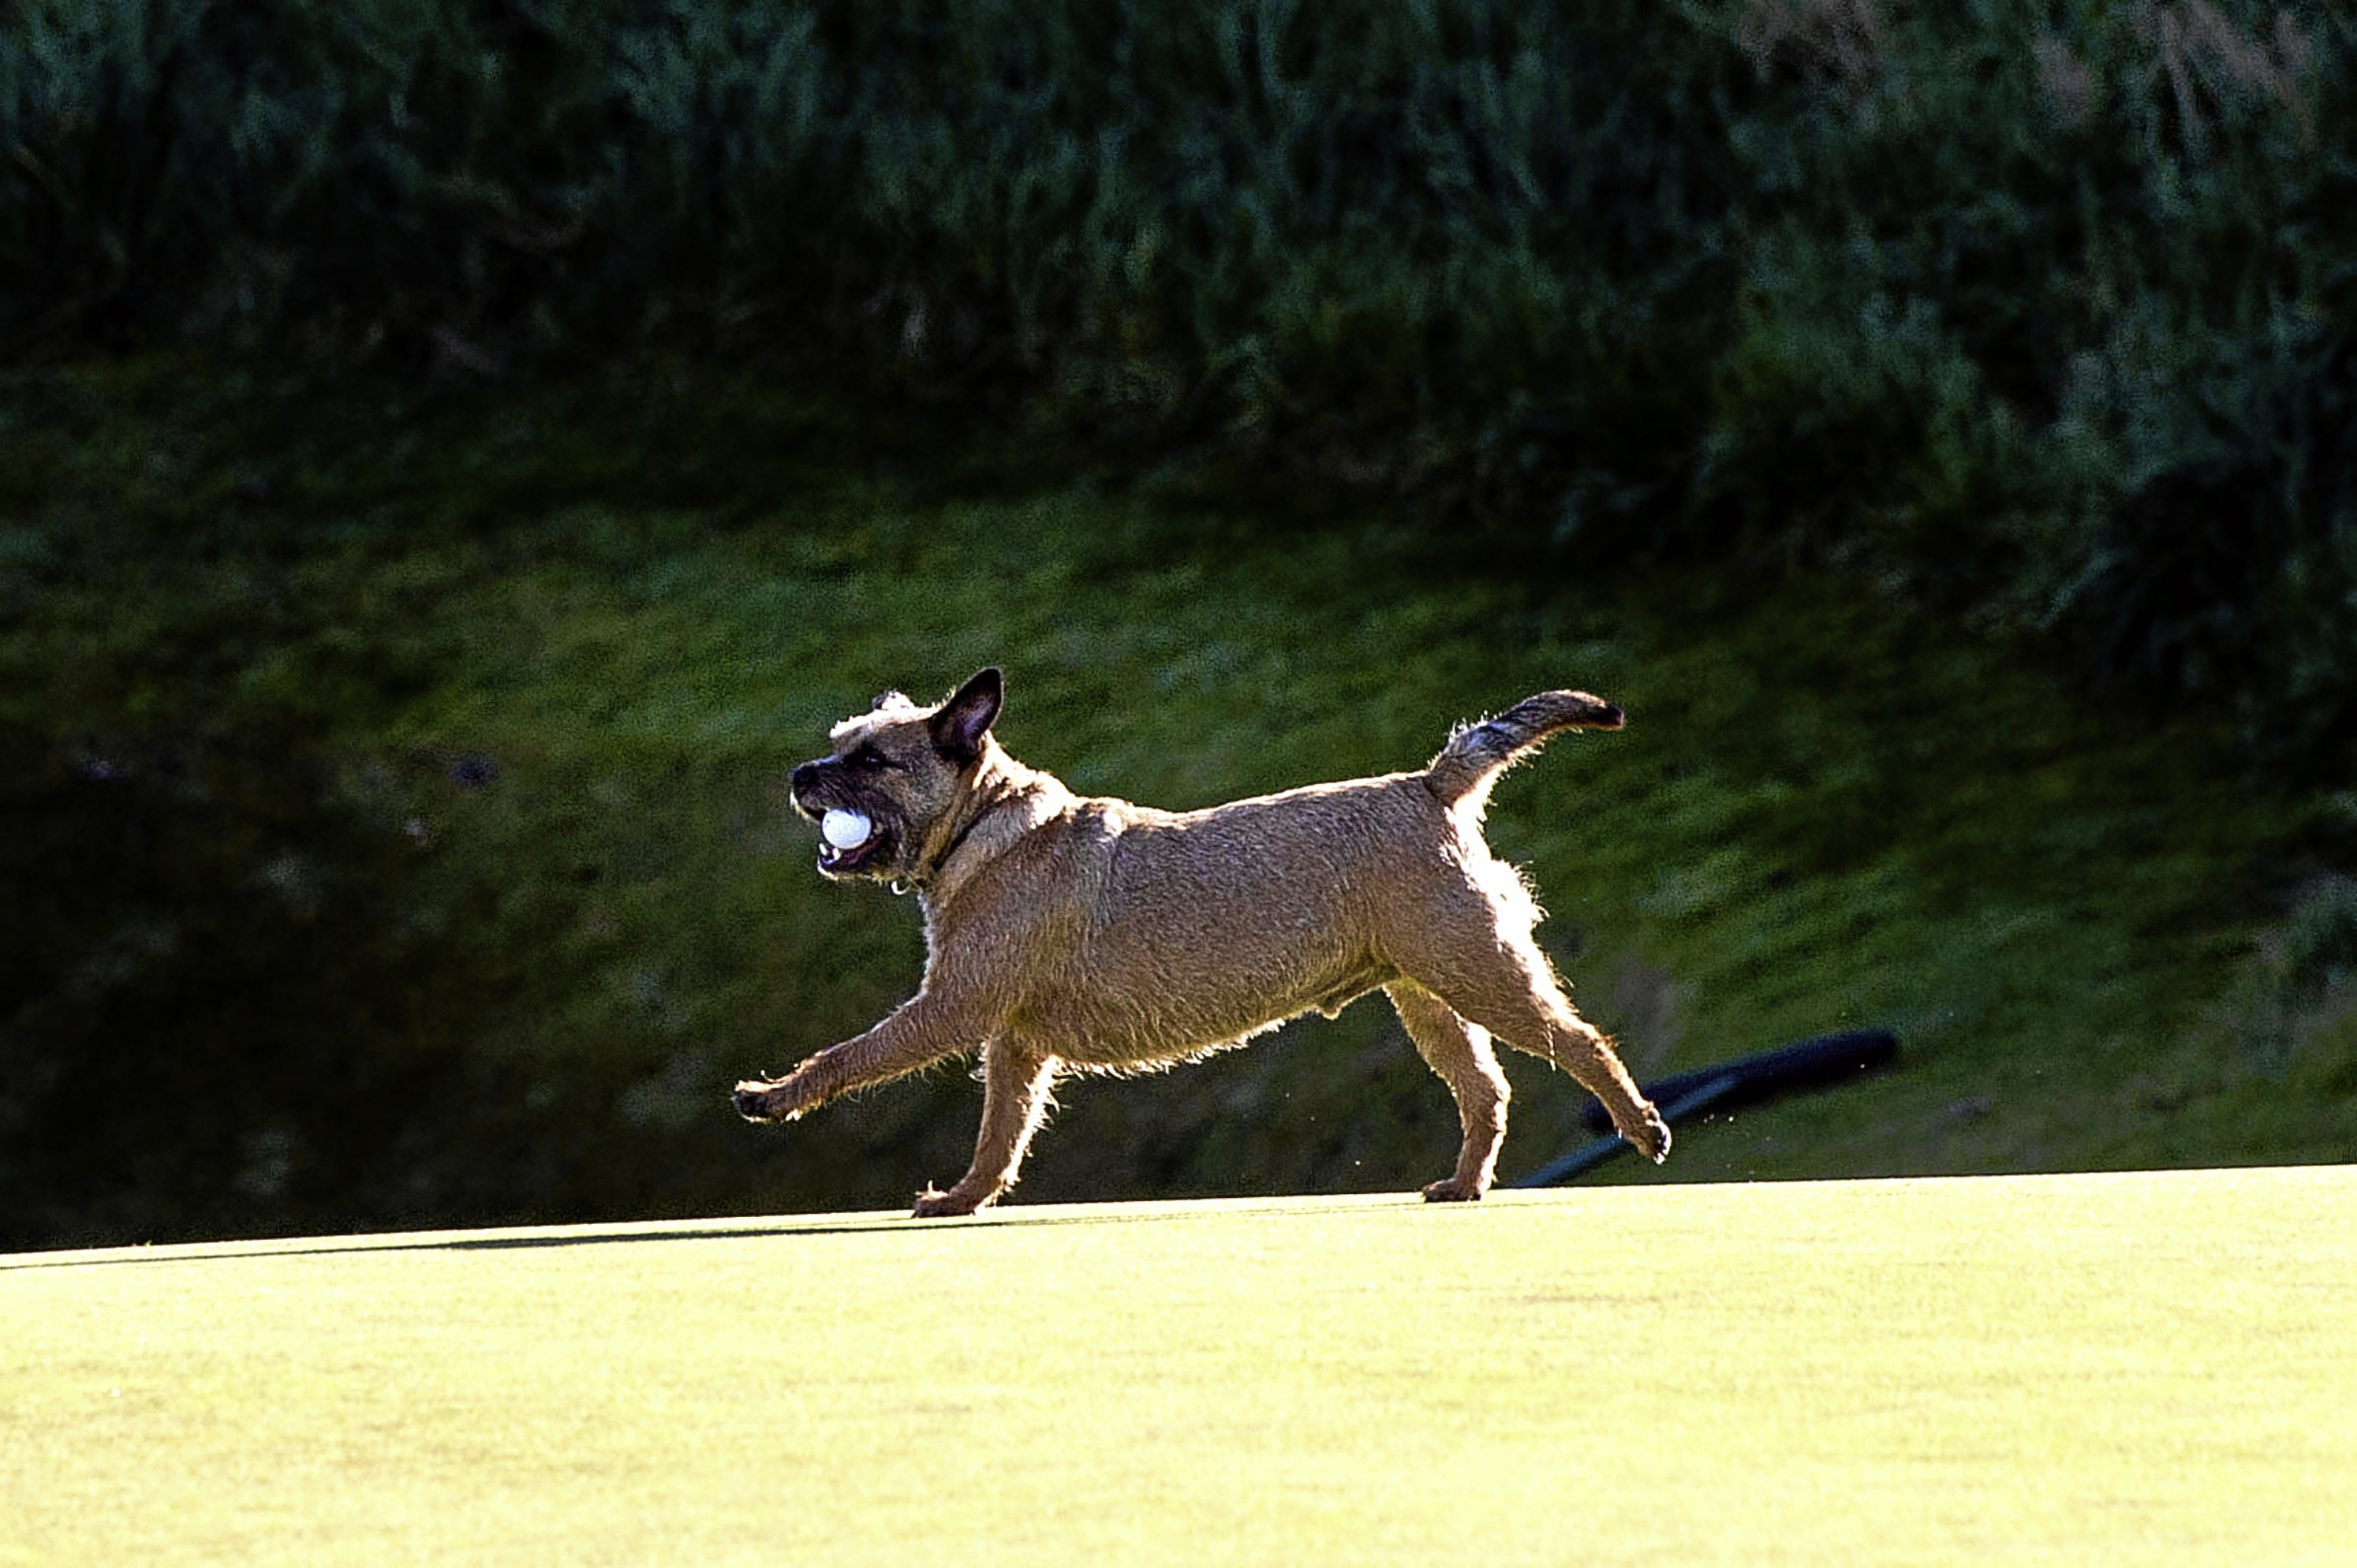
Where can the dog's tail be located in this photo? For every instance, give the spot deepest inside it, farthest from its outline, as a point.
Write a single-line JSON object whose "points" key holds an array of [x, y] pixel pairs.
{"points": [[1477, 754]]}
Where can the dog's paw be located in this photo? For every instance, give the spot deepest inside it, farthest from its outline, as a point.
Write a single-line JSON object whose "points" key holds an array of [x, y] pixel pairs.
{"points": [[931, 1205], [760, 1099], [1653, 1138], [1448, 1189]]}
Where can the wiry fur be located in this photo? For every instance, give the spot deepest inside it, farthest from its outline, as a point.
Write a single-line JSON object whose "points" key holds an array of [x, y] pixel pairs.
{"points": [[1071, 933], [1477, 754]]}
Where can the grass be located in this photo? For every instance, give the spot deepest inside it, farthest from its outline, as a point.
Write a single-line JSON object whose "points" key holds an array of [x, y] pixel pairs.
{"points": [[260, 629], [2124, 1367]]}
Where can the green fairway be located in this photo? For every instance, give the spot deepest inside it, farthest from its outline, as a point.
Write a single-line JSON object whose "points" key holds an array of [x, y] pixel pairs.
{"points": [[2150, 1367]]}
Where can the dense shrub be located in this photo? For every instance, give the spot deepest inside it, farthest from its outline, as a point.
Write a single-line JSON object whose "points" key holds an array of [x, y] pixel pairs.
{"points": [[2042, 310]]}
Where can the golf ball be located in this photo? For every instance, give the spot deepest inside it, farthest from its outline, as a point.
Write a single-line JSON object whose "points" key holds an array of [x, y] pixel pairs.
{"points": [[845, 830]]}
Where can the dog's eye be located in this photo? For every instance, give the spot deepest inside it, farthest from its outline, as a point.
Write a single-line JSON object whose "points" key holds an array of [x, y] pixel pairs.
{"points": [[868, 757]]}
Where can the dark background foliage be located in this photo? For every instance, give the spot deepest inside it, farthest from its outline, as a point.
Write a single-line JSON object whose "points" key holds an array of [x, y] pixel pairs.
{"points": [[2037, 318], [2046, 305]]}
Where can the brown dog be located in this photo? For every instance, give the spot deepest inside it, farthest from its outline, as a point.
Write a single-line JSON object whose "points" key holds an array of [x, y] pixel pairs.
{"points": [[1066, 933]]}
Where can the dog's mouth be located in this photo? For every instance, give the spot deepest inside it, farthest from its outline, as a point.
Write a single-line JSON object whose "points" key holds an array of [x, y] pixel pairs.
{"points": [[850, 842], [860, 857]]}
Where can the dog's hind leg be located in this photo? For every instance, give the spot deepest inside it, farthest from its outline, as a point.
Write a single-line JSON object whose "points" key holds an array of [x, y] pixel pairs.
{"points": [[1017, 1077], [1459, 1052], [1493, 975]]}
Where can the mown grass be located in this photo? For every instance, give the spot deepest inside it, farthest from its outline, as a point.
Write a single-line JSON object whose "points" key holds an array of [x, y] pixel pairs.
{"points": [[2090, 1368]]}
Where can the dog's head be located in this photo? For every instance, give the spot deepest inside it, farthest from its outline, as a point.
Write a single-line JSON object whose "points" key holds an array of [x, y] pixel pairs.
{"points": [[903, 770]]}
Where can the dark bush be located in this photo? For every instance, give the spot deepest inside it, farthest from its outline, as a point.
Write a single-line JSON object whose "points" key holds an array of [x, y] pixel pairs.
{"points": [[2044, 310]]}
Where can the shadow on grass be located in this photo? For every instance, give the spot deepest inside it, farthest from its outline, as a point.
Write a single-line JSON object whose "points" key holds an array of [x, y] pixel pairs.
{"points": [[795, 1226]]}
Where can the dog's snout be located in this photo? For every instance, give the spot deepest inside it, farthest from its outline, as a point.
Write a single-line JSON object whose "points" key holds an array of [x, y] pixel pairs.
{"points": [[801, 778]]}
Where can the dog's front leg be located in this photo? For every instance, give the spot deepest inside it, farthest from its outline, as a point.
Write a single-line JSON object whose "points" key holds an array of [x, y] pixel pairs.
{"points": [[919, 1032], [1016, 1080]]}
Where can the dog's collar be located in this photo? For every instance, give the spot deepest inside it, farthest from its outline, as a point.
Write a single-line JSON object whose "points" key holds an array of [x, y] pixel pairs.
{"points": [[921, 877]]}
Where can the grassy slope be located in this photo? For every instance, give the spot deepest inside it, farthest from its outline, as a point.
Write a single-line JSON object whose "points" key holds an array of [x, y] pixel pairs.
{"points": [[2124, 1367], [641, 599]]}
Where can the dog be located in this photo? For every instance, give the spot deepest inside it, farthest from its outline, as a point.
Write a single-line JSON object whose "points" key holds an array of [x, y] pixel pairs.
{"points": [[1074, 934]]}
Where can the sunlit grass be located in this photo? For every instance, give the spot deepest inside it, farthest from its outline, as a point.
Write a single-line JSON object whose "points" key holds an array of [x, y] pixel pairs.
{"points": [[2090, 1368]]}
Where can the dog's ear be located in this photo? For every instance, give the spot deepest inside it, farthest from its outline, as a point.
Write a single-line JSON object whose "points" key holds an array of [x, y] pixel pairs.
{"points": [[960, 723]]}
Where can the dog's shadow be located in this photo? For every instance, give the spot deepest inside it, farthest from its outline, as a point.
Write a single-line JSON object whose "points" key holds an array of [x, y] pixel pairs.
{"points": [[783, 1227]]}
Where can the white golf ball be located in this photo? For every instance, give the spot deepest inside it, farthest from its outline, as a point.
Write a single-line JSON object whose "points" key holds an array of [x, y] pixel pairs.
{"points": [[845, 830]]}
